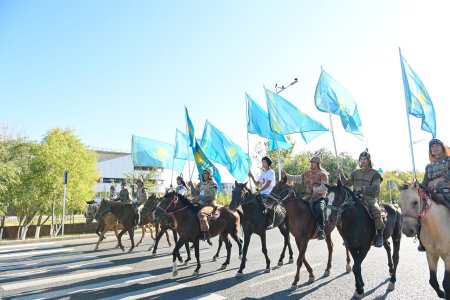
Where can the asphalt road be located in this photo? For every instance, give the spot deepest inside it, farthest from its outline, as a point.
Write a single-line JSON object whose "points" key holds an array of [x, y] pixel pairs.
{"points": [[70, 269]]}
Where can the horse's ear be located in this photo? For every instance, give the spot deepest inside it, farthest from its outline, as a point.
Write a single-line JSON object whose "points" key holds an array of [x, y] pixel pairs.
{"points": [[235, 182], [416, 184], [245, 184]]}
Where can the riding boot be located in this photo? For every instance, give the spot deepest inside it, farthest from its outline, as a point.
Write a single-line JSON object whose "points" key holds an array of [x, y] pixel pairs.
{"points": [[320, 233], [320, 219], [379, 239]]}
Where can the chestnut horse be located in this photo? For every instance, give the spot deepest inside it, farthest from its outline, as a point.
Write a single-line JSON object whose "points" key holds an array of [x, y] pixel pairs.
{"points": [[358, 231], [430, 219], [107, 223], [303, 226], [188, 226]]}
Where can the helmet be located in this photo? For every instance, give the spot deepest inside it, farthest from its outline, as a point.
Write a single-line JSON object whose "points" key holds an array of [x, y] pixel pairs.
{"points": [[113, 188], [435, 141], [124, 183], [365, 154], [209, 171], [316, 159], [140, 179], [267, 159], [180, 177]]}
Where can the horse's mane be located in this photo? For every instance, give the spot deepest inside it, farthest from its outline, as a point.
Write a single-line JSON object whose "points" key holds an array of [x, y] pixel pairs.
{"points": [[117, 203], [185, 201]]}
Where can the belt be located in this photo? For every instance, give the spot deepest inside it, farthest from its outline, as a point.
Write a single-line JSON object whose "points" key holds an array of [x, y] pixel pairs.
{"points": [[441, 190]]}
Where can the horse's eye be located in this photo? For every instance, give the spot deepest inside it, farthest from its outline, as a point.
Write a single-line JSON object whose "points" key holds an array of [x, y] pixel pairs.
{"points": [[415, 203]]}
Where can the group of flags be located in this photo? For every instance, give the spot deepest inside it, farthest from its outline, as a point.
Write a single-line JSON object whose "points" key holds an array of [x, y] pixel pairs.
{"points": [[282, 118]]}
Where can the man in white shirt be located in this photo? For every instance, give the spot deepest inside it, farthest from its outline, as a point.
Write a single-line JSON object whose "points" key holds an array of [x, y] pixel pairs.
{"points": [[265, 182]]}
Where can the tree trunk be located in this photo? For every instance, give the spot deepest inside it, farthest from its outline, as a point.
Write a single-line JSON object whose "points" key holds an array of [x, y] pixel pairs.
{"points": [[20, 219], [24, 232], [38, 228], [1, 226]]}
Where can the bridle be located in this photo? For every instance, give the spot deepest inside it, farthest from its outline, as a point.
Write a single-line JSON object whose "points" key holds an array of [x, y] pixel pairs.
{"points": [[425, 204], [174, 202], [102, 212], [277, 197]]}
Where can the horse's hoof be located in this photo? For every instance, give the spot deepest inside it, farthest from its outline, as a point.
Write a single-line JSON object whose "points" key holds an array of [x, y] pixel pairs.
{"points": [[267, 270], [138, 244], [174, 273], [185, 263], [215, 258], [116, 247], [291, 261], [391, 286], [311, 279], [293, 287], [123, 249], [358, 296], [153, 253], [326, 274], [196, 272], [280, 263], [348, 268], [223, 267], [151, 248], [239, 274], [96, 249], [130, 251]]}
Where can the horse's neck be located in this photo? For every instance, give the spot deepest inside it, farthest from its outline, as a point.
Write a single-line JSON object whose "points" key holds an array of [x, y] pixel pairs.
{"points": [[436, 222], [182, 214], [251, 205]]}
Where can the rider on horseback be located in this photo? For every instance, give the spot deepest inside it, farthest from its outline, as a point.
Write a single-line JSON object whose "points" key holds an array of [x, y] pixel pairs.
{"points": [[366, 181], [315, 180], [265, 182], [141, 198], [124, 194], [207, 190], [112, 193], [181, 188], [437, 173]]}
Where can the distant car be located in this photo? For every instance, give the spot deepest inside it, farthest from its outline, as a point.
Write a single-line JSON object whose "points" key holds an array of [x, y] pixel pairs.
{"points": [[91, 210]]}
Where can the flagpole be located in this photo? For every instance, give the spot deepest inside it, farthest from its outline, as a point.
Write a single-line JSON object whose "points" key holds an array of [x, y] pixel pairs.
{"points": [[332, 130], [405, 88], [248, 140], [187, 146]]}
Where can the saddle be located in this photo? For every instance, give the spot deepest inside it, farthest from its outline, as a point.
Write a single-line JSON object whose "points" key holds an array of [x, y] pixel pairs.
{"points": [[384, 213], [215, 213]]}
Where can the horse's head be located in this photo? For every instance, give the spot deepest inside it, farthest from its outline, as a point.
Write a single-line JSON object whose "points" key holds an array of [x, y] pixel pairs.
{"points": [[168, 204], [238, 195], [413, 201], [103, 209], [282, 191], [336, 195]]}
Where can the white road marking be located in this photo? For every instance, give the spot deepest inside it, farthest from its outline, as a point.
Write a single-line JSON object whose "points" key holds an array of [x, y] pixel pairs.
{"points": [[26, 245], [38, 252], [211, 296], [145, 293], [70, 277]]}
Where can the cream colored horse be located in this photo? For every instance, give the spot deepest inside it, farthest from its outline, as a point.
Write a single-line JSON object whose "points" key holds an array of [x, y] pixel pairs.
{"points": [[108, 223], [434, 217]]}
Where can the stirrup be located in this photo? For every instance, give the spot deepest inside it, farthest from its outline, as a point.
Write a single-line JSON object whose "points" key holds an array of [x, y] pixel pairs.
{"points": [[379, 240]]}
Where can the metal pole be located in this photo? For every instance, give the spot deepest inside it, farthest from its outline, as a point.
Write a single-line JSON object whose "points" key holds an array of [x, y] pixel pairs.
{"points": [[406, 89], [248, 141], [66, 175]]}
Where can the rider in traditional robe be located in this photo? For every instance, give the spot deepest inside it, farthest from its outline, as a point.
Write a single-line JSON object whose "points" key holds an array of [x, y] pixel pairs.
{"points": [[124, 194], [315, 180], [366, 181], [437, 172], [206, 190], [265, 183]]}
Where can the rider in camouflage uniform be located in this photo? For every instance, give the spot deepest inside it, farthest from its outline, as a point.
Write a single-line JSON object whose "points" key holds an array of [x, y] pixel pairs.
{"points": [[124, 194], [437, 173], [315, 180], [207, 191], [141, 198], [366, 181]]}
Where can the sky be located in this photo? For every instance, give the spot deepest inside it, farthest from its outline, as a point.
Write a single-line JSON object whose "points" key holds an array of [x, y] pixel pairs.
{"points": [[110, 69]]}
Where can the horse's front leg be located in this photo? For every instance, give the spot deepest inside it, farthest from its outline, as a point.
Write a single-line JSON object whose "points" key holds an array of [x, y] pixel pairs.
{"points": [[283, 232], [100, 239], [330, 254], [218, 249], [247, 236], [142, 235], [119, 239], [311, 278], [228, 246], [188, 251], [174, 257], [264, 250], [348, 267], [446, 282], [358, 257], [131, 234], [197, 256], [302, 243], [156, 242], [432, 265]]}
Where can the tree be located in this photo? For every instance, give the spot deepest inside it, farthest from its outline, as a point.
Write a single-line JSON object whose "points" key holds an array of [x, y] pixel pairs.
{"points": [[397, 177]]}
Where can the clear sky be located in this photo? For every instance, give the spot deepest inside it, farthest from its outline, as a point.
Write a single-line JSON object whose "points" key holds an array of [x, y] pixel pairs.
{"points": [[110, 69]]}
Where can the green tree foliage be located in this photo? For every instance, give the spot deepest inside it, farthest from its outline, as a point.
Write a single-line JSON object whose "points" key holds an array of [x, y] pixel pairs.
{"points": [[397, 177], [62, 150]]}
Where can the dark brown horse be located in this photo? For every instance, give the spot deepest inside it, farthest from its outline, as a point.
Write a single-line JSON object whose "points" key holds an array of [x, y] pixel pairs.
{"points": [[125, 215], [358, 231], [255, 221], [188, 226], [303, 226]]}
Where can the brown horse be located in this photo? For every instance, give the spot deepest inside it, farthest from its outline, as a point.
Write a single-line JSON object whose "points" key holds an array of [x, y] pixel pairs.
{"points": [[147, 222], [303, 226], [105, 224], [124, 213], [430, 219], [188, 226]]}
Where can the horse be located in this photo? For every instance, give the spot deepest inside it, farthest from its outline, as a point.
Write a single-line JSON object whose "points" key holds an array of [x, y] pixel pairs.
{"points": [[90, 211], [347, 209], [255, 221], [188, 226], [124, 213], [107, 223], [147, 224], [303, 226], [428, 217]]}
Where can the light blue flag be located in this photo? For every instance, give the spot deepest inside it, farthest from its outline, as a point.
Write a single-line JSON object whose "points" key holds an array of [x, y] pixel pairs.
{"points": [[181, 146], [333, 97], [190, 129], [285, 118], [204, 163], [258, 123], [152, 153], [418, 101], [221, 149]]}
